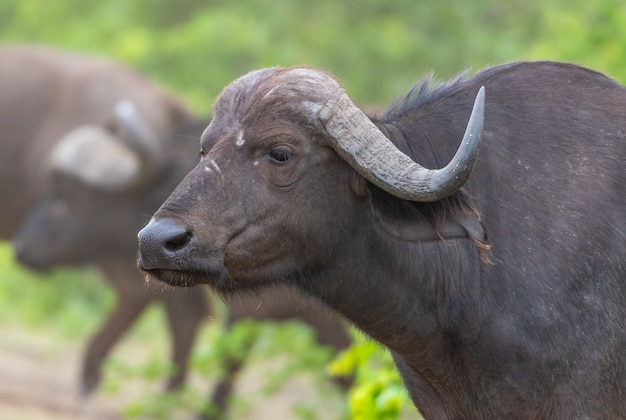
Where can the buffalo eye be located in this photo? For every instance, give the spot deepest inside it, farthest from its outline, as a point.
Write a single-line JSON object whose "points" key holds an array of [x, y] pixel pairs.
{"points": [[280, 155]]}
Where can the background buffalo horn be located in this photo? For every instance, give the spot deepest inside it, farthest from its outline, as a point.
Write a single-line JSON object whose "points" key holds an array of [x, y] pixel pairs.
{"points": [[139, 138], [357, 140]]}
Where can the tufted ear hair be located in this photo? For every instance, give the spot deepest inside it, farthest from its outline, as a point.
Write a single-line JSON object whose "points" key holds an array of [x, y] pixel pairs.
{"points": [[97, 158]]}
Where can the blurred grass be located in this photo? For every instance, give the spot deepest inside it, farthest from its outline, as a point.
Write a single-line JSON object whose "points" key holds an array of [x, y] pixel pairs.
{"points": [[69, 302], [196, 47], [378, 49]]}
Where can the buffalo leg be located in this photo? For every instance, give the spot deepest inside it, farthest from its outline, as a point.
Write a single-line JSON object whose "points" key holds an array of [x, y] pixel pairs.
{"points": [[185, 310], [126, 312], [219, 399], [224, 388]]}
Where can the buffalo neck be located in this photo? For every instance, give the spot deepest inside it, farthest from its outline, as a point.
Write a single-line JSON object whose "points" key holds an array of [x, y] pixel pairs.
{"points": [[402, 293]]}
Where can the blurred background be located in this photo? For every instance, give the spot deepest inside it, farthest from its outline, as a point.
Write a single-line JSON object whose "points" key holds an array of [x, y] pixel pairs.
{"points": [[378, 50]]}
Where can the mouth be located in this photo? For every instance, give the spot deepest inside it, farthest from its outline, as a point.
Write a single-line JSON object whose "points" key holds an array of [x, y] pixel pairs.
{"points": [[181, 276], [38, 265], [218, 279]]}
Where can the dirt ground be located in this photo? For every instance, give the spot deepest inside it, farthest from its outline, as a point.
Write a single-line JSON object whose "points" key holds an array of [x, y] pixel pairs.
{"points": [[38, 380]]}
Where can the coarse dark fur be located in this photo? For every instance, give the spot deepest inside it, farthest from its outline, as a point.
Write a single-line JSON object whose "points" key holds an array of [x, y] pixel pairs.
{"points": [[505, 300]]}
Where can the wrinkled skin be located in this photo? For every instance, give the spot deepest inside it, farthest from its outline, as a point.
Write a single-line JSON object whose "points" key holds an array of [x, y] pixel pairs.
{"points": [[514, 308], [243, 191]]}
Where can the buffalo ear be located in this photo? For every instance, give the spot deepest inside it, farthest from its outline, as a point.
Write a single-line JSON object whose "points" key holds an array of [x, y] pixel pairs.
{"points": [[418, 222], [358, 184], [111, 125], [401, 220]]}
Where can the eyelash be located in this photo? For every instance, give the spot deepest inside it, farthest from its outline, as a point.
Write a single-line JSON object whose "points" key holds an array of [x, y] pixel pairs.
{"points": [[280, 156]]}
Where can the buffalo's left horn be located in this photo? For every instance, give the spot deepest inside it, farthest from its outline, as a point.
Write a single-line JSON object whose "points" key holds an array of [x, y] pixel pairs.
{"points": [[140, 138], [366, 149]]}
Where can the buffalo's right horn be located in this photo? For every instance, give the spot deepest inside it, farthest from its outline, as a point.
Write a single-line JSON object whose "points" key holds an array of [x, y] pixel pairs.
{"points": [[140, 138], [358, 141], [95, 156]]}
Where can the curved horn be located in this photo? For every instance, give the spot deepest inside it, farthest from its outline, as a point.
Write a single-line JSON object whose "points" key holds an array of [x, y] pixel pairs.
{"points": [[98, 157], [366, 149], [95, 156], [140, 138]]}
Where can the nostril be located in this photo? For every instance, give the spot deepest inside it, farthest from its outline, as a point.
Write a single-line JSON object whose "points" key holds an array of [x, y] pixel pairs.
{"points": [[178, 242], [162, 244]]}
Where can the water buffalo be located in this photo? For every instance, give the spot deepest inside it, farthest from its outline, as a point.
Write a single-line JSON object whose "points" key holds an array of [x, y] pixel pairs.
{"points": [[500, 291], [100, 180], [46, 95]]}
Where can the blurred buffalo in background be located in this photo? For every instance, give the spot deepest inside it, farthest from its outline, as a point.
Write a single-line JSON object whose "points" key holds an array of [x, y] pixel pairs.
{"points": [[95, 148], [82, 167]]}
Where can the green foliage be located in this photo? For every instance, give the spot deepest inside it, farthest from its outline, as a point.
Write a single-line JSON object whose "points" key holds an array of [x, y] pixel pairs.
{"points": [[377, 49], [592, 34], [37, 300], [378, 392], [152, 402], [257, 342]]}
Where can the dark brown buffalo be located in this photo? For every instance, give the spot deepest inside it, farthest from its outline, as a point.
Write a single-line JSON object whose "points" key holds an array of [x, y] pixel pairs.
{"points": [[501, 292], [100, 182]]}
